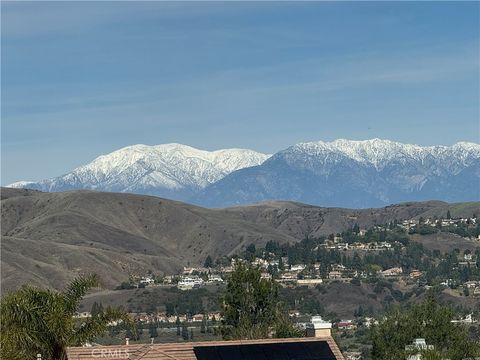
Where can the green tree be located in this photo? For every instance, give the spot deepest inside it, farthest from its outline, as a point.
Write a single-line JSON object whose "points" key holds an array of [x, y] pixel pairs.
{"points": [[252, 308], [208, 262], [250, 252], [40, 321], [428, 320], [203, 326], [184, 331], [177, 322], [153, 330]]}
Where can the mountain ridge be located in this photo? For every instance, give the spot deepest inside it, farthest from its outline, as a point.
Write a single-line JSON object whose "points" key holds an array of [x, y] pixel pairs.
{"points": [[174, 170], [49, 238], [347, 173], [354, 174]]}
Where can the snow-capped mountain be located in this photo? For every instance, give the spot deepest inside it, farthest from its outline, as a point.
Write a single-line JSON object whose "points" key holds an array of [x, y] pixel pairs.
{"points": [[355, 174], [170, 170], [340, 173]]}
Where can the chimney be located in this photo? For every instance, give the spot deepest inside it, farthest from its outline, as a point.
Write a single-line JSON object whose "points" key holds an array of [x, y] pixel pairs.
{"points": [[319, 327], [127, 341]]}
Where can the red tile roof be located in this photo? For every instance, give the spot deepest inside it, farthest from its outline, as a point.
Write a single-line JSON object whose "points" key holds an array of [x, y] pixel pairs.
{"points": [[177, 351]]}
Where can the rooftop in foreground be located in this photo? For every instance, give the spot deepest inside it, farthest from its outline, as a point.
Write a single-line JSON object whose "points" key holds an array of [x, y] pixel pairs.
{"points": [[309, 348]]}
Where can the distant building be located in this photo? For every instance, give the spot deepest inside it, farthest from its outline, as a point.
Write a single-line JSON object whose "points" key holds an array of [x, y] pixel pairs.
{"points": [[189, 282], [414, 274], [334, 275], [396, 271], [318, 327], [293, 313], [288, 276], [418, 345], [309, 282], [215, 278], [298, 267], [353, 355], [82, 315], [471, 284], [197, 317], [346, 325], [147, 280]]}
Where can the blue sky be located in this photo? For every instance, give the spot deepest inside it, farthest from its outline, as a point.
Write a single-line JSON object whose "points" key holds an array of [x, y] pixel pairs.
{"points": [[84, 79]]}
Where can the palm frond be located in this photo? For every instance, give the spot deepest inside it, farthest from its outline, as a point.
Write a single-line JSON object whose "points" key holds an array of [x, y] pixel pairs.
{"points": [[77, 289]]}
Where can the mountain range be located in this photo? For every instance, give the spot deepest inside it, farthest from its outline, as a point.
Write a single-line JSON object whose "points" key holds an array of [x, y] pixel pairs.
{"points": [[344, 173]]}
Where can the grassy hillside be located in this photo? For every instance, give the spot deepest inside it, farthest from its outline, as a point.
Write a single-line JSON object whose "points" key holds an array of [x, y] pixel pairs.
{"points": [[48, 238]]}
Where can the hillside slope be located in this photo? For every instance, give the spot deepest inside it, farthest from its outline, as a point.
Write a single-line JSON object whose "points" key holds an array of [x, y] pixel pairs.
{"points": [[48, 238]]}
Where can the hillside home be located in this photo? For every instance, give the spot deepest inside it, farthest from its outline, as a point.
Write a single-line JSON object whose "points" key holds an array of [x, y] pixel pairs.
{"points": [[353, 355], [197, 317], [470, 284], [396, 271], [293, 313], [147, 280], [189, 282], [191, 270], [337, 239], [298, 267], [82, 315], [214, 278], [414, 274], [332, 275], [309, 282], [418, 345], [288, 276], [346, 325]]}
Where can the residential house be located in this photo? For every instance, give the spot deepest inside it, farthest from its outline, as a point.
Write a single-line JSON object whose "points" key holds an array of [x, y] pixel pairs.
{"points": [[298, 267], [147, 280], [309, 282], [396, 271], [470, 284], [418, 345], [346, 325], [197, 317], [415, 274], [318, 346], [215, 278], [189, 282], [353, 355], [332, 275]]}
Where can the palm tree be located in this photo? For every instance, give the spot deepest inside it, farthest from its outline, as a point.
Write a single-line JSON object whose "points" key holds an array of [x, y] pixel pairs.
{"points": [[40, 321]]}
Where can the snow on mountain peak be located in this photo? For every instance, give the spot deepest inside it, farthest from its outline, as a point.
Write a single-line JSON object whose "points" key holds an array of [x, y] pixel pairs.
{"points": [[168, 166], [182, 172], [379, 152]]}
